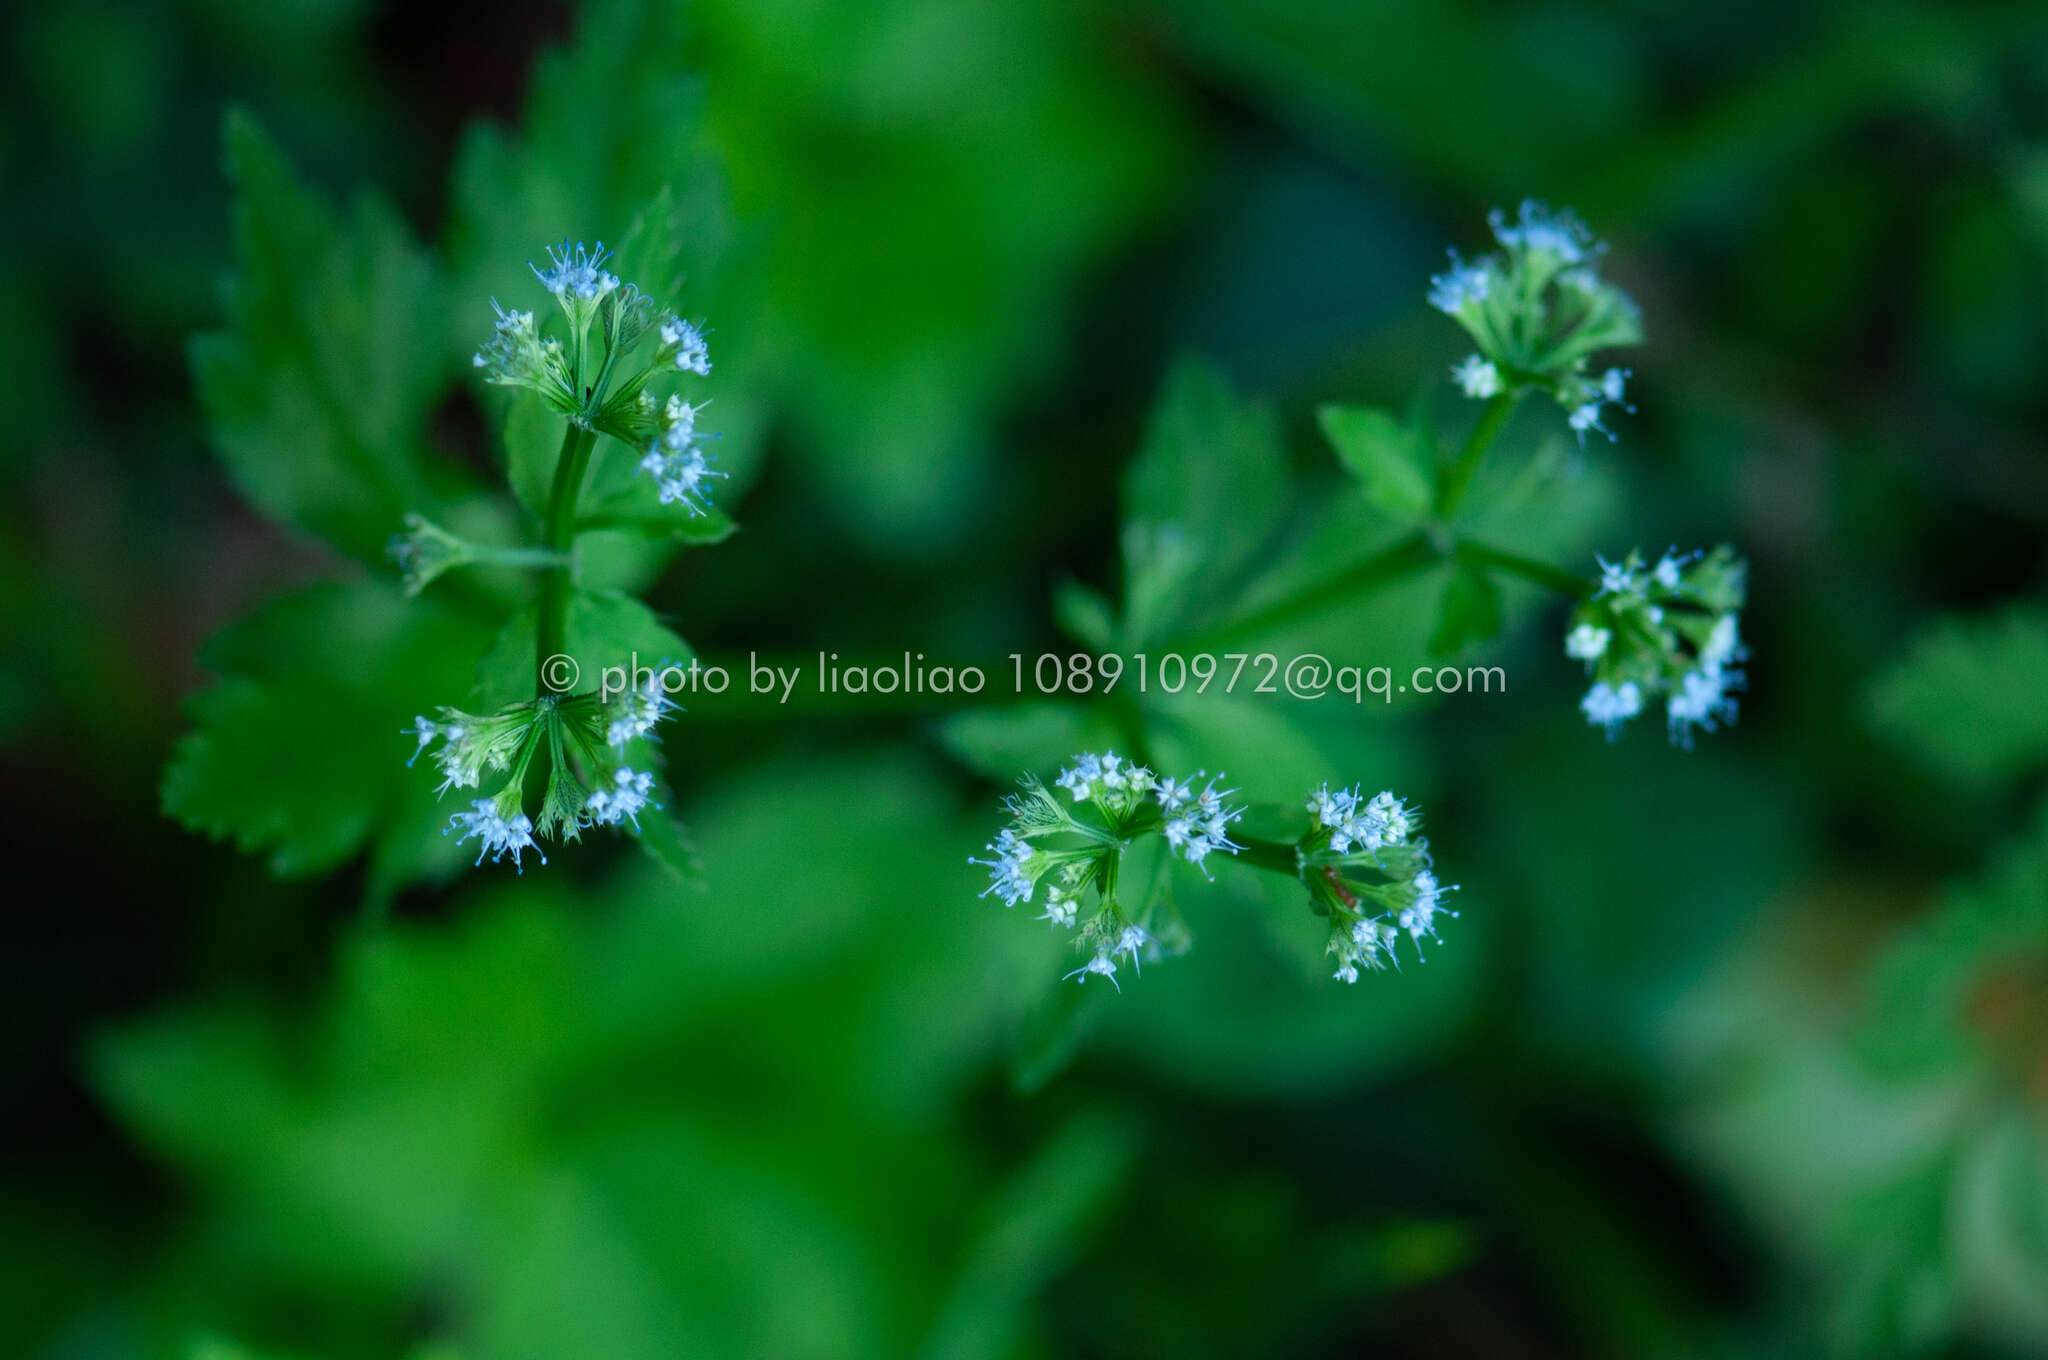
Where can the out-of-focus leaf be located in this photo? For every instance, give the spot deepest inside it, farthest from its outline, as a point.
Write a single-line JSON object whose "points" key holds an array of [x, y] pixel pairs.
{"points": [[1004, 743], [1968, 988], [1390, 460], [285, 756], [1032, 1232], [1199, 501], [319, 389], [1968, 698]]}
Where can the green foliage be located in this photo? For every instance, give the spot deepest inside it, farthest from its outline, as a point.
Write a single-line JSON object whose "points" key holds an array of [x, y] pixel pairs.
{"points": [[290, 757], [1393, 462], [319, 390], [1967, 698]]}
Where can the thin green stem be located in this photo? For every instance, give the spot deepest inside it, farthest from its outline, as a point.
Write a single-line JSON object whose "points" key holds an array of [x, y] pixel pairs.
{"points": [[552, 626], [1528, 568], [1277, 857], [538, 558], [1458, 478]]}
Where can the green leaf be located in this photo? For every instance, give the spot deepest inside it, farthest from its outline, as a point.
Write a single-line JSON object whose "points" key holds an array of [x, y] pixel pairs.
{"points": [[1470, 611], [319, 388], [1004, 743], [1084, 615], [1969, 986], [1199, 502], [1390, 460], [298, 752], [606, 637], [1967, 699]]}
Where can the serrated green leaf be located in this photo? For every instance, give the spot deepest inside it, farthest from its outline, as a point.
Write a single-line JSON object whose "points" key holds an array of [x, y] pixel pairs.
{"points": [[298, 752], [1199, 502], [319, 388], [1968, 698], [1389, 459], [1470, 611]]}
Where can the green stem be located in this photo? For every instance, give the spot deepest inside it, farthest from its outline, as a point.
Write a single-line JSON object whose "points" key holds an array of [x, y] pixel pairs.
{"points": [[540, 558], [1528, 568], [1278, 857], [1458, 479], [552, 626]]}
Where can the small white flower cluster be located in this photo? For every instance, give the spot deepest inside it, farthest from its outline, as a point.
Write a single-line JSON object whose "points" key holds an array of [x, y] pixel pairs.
{"points": [[1010, 872], [1105, 778], [1198, 823], [676, 459], [629, 795], [1369, 824], [682, 345], [1110, 802], [1126, 942], [1538, 310], [498, 833], [517, 355], [635, 713], [576, 272], [595, 790], [1594, 395], [1362, 943], [1670, 630]]}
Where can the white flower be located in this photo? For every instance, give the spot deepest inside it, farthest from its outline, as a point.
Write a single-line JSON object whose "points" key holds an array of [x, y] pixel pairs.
{"points": [[637, 711], [576, 272], [1476, 377], [1204, 827], [1174, 795], [676, 460], [1540, 231], [1461, 284], [1346, 972], [1419, 917], [1587, 643], [1610, 706], [623, 801], [1701, 701], [1059, 907], [1129, 941], [1010, 876], [1670, 570], [1080, 778], [499, 835], [1391, 815], [1101, 966], [1617, 578], [683, 344], [1723, 645]]}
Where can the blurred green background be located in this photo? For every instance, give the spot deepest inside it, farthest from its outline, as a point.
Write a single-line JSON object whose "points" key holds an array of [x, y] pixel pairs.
{"points": [[1737, 1052]]}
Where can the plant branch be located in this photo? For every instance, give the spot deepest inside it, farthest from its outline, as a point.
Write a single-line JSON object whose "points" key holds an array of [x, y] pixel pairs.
{"points": [[1458, 478]]}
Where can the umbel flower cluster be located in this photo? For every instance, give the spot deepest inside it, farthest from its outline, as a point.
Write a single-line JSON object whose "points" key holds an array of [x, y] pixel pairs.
{"points": [[583, 756], [1672, 631], [610, 391], [587, 782], [1363, 865], [1538, 310]]}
